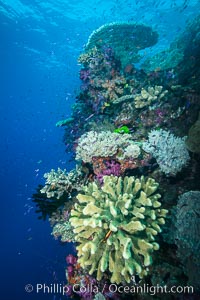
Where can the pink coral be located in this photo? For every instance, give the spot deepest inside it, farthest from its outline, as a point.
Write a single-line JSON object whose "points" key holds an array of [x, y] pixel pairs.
{"points": [[71, 259]]}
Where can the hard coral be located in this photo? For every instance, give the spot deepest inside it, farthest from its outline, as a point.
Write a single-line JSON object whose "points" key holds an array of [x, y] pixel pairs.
{"points": [[149, 95], [60, 182], [100, 144], [115, 226], [169, 151], [133, 38], [63, 230]]}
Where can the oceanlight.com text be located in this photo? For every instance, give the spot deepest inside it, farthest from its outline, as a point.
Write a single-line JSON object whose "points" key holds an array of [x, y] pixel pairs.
{"points": [[56, 288]]}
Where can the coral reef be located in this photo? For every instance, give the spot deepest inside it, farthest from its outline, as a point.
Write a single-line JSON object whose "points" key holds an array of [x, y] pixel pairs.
{"points": [[128, 122], [106, 167], [76, 277], [115, 226], [126, 39], [169, 151], [122, 99], [132, 150], [90, 58]]}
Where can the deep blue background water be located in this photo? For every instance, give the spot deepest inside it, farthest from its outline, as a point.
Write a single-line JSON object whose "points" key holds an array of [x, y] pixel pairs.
{"points": [[40, 43]]}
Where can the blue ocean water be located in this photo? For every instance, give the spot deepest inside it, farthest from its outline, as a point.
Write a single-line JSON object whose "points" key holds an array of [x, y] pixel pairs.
{"points": [[40, 44]]}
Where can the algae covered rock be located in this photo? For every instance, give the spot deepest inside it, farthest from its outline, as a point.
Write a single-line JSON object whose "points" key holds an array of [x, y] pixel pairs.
{"points": [[187, 237], [193, 140], [115, 226]]}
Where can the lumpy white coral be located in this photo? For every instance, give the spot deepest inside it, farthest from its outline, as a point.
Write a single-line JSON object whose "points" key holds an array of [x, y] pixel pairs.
{"points": [[169, 151], [103, 144], [58, 182], [132, 150]]}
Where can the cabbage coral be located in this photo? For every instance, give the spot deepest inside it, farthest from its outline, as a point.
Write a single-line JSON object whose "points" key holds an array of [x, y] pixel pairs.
{"points": [[115, 226]]}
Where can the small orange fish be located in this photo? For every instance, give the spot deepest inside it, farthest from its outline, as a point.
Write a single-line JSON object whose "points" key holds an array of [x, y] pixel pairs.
{"points": [[108, 234]]}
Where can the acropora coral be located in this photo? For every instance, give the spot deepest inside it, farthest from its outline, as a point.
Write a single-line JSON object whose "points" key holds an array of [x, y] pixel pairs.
{"points": [[145, 98], [115, 226], [149, 95]]}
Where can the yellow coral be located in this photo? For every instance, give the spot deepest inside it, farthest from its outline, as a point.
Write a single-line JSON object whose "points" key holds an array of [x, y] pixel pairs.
{"points": [[115, 226], [146, 97]]}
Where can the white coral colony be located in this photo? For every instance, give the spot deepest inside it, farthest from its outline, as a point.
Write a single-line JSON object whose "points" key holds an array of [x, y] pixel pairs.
{"points": [[169, 151]]}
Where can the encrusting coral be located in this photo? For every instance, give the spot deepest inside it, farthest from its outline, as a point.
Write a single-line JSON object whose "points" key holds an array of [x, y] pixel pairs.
{"points": [[115, 226]]}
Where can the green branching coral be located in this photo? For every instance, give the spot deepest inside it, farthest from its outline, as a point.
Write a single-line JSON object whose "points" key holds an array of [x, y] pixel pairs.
{"points": [[115, 226]]}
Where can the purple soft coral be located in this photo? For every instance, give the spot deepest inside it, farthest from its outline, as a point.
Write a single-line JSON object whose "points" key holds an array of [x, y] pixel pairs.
{"points": [[113, 168], [71, 259]]}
